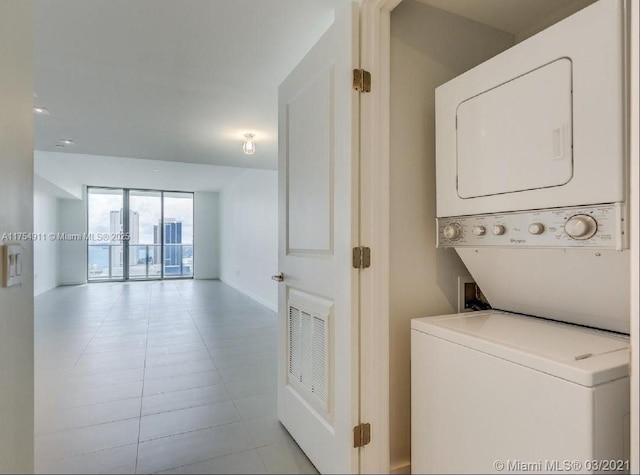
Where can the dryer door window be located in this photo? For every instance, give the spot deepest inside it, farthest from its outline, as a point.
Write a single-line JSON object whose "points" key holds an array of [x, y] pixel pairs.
{"points": [[518, 135]]}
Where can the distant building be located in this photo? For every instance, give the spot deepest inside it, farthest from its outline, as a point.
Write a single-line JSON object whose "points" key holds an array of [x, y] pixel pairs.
{"points": [[172, 235]]}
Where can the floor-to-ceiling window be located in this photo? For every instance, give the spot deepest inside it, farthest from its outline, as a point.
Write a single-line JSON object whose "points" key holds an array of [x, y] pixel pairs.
{"points": [[139, 234], [145, 252], [104, 226], [178, 234]]}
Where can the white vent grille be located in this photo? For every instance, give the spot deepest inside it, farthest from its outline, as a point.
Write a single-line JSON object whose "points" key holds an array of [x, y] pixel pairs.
{"points": [[308, 365], [318, 368]]}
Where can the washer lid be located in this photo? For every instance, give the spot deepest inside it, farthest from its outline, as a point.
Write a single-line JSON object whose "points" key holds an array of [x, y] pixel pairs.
{"points": [[581, 355]]}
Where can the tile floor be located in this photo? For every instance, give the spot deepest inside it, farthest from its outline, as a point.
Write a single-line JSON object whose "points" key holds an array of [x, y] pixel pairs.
{"points": [[150, 377]]}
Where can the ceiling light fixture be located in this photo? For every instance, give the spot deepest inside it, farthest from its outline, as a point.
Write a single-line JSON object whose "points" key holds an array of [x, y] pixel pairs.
{"points": [[249, 146], [67, 141], [41, 110]]}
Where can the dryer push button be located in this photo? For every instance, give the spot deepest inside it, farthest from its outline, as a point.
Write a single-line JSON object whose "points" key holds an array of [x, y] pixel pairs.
{"points": [[479, 230], [536, 228], [498, 230]]}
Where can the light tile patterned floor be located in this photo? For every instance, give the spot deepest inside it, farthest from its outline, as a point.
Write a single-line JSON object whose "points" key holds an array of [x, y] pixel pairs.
{"points": [[146, 377]]}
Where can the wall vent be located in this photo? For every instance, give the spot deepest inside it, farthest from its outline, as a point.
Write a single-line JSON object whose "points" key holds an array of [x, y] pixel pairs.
{"points": [[308, 353]]}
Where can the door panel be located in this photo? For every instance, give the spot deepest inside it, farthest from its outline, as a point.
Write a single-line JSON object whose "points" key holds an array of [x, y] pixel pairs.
{"points": [[318, 396], [309, 126]]}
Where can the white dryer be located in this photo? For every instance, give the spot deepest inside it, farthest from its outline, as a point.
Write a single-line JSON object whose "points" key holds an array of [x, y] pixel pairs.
{"points": [[531, 165], [497, 392]]}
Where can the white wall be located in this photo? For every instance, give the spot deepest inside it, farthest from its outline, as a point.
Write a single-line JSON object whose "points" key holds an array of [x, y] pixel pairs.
{"points": [[16, 215], [70, 171], [73, 254], [635, 239], [428, 47], [206, 239], [249, 235], [45, 221]]}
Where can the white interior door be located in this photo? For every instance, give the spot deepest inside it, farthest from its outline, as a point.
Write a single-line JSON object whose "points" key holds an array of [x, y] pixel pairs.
{"points": [[318, 381]]}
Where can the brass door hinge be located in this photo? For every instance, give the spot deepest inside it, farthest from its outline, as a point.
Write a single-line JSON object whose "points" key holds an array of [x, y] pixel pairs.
{"points": [[361, 80], [361, 435], [361, 257]]}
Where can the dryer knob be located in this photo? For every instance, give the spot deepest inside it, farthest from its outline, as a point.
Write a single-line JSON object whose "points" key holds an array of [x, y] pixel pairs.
{"points": [[536, 228], [581, 226], [479, 230], [498, 230], [452, 231]]}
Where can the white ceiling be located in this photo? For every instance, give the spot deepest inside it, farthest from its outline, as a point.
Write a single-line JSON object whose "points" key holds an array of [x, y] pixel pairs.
{"points": [[70, 171], [177, 80], [183, 80]]}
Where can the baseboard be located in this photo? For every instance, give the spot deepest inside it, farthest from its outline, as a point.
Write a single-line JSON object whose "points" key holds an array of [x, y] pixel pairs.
{"points": [[402, 468], [251, 295], [46, 289], [206, 277]]}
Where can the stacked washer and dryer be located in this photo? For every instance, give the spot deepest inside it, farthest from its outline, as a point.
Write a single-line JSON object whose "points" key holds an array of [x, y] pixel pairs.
{"points": [[532, 158]]}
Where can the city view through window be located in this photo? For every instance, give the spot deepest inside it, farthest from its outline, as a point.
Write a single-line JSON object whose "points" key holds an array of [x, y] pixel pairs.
{"points": [[139, 234]]}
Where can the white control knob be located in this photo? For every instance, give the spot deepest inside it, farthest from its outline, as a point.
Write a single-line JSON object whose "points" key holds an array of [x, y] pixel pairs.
{"points": [[581, 226], [452, 231], [498, 230], [479, 230], [536, 228]]}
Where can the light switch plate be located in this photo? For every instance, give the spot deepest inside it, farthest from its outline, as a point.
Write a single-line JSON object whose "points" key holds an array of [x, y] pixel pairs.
{"points": [[11, 265]]}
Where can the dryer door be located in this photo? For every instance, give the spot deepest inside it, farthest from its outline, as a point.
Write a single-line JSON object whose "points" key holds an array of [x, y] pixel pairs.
{"points": [[517, 136]]}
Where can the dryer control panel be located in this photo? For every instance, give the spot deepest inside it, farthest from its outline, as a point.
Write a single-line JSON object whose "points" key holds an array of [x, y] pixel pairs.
{"points": [[597, 227]]}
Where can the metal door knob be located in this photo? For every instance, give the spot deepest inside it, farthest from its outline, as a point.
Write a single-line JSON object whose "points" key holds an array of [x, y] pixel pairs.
{"points": [[278, 277]]}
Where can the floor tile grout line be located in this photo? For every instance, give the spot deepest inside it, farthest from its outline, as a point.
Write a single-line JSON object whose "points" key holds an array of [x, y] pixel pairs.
{"points": [[216, 366], [144, 370], [43, 434], [191, 431], [186, 407], [108, 385], [90, 452], [69, 408], [207, 339], [185, 374], [210, 403], [224, 381], [213, 458], [183, 389], [121, 291], [232, 400]]}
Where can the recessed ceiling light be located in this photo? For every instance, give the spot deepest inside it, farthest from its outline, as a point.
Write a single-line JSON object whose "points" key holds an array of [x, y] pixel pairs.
{"points": [[156, 170], [67, 141], [41, 110]]}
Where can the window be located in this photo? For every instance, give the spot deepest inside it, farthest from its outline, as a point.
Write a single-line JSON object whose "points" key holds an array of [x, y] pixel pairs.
{"points": [[139, 234]]}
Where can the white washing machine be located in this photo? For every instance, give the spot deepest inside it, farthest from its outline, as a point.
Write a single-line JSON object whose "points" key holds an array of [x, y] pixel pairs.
{"points": [[498, 392]]}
